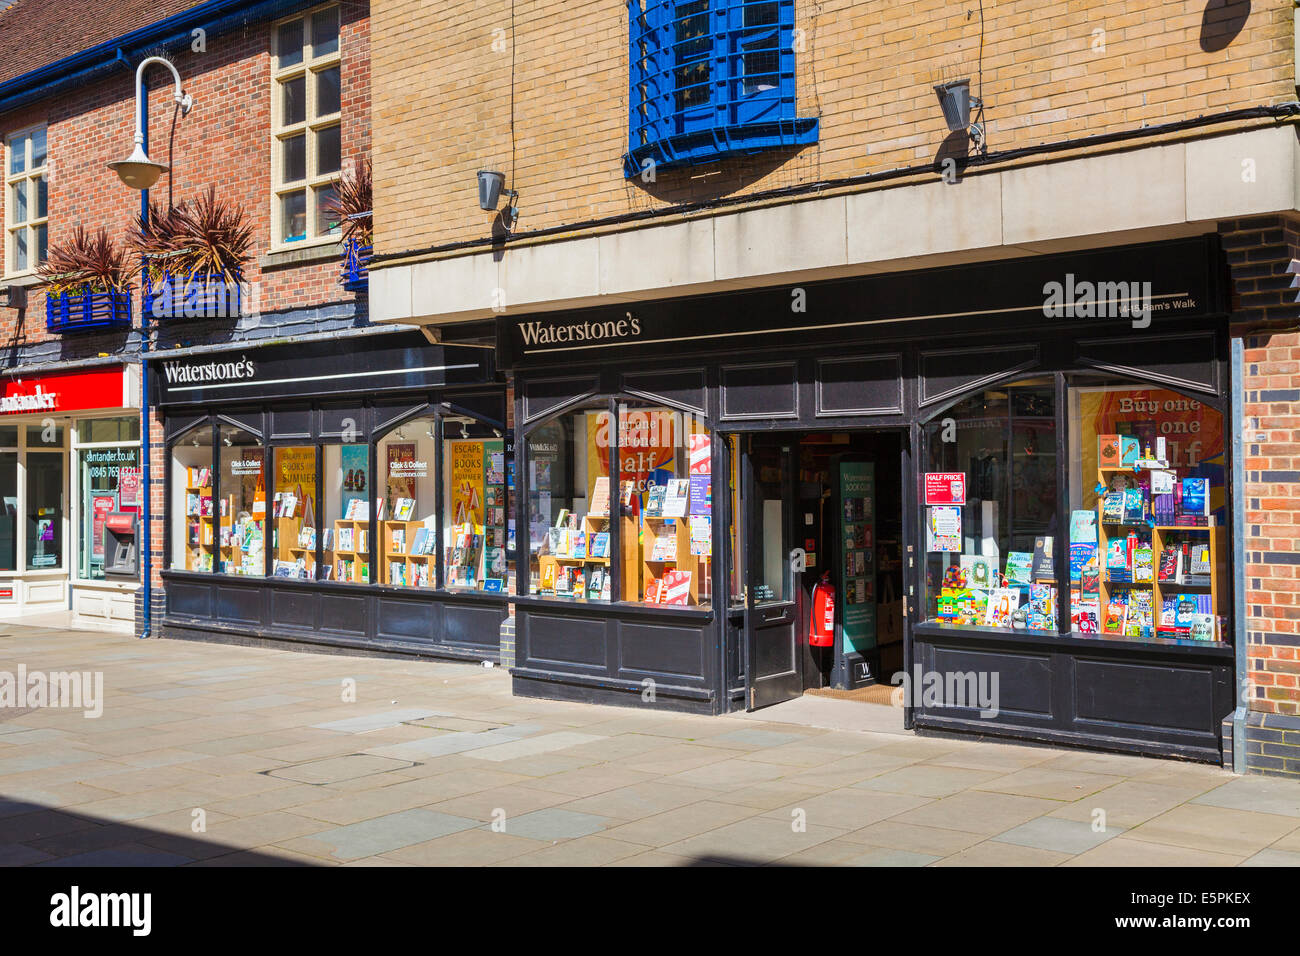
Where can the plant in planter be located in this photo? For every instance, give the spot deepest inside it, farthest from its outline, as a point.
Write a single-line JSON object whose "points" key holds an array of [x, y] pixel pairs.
{"points": [[194, 257], [87, 280], [352, 207]]}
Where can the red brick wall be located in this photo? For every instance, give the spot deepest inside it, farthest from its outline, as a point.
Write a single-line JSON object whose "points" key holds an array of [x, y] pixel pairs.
{"points": [[225, 140], [1266, 318]]}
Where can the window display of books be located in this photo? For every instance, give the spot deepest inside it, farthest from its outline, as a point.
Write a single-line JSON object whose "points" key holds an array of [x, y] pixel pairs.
{"points": [[347, 547], [573, 558], [463, 558], [1155, 534]]}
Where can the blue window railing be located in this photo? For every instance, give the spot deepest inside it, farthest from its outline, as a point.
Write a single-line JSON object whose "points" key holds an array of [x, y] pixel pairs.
{"points": [[196, 296], [87, 311], [356, 266], [710, 78]]}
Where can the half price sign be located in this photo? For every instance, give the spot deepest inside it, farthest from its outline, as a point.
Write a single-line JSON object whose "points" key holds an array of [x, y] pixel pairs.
{"points": [[945, 488]]}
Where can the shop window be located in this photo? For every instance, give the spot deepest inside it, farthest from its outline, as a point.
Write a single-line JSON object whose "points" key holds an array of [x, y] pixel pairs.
{"points": [[44, 509], [347, 523], [569, 535], [666, 490], [241, 528], [1148, 535], [294, 504], [9, 507], [989, 510], [770, 556], [26, 201], [193, 542], [306, 126], [96, 431], [476, 525], [108, 480], [49, 437], [409, 534]]}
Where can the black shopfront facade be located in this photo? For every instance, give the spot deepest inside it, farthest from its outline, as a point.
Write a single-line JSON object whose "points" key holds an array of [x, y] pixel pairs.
{"points": [[799, 430], [308, 486]]}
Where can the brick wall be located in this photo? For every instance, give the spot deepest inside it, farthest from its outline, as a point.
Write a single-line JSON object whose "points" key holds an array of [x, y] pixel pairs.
{"points": [[224, 141], [1266, 318], [444, 95]]}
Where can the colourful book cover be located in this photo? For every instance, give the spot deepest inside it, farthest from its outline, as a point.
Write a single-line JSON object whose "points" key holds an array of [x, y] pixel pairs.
{"points": [[1108, 449], [1130, 450], [1019, 567], [1081, 552]]}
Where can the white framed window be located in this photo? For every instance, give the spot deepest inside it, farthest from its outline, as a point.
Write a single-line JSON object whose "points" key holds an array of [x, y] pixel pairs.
{"points": [[306, 130], [26, 200]]}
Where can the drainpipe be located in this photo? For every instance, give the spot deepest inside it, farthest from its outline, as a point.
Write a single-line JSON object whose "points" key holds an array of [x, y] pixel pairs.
{"points": [[1238, 497], [146, 451]]}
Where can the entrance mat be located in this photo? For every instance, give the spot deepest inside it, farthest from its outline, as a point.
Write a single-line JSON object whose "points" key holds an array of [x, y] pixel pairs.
{"points": [[882, 694]]}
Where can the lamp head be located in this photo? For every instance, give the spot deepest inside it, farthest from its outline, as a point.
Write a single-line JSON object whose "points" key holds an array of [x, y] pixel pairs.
{"points": [[490, 183], [955, 101], [138, 171]]}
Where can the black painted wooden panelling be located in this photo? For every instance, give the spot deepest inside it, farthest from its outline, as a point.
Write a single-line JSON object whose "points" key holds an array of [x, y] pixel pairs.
{"points": [[863, 385], [191, 600], [650, 650], [291, 421], [343, 613], [950, 373], [235, 604], [770, 390], [473, 625], [1186, 362], [685, 388], [552, 640], [1024, 679], [294, 607], [546, 394], [1151, 695]]}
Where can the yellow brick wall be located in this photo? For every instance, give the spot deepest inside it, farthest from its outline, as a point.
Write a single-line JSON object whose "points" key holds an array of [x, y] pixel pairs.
{"points": [[442, 95]]}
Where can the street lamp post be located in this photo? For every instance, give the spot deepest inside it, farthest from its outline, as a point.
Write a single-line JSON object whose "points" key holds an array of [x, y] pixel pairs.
{"points": [[138, 171]]}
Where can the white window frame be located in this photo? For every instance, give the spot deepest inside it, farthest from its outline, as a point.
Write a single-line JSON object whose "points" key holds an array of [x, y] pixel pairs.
{"points": [[311, 125], [29, 177]]}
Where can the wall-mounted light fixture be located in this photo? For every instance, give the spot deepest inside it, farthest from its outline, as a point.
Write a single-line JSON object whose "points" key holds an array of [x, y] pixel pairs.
{"points": [[956, 102], [491, 184], [13, 297], [139, 171]]}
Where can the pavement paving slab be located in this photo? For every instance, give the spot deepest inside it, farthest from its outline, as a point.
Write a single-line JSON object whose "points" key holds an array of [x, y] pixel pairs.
{"points": [[437, 764]]}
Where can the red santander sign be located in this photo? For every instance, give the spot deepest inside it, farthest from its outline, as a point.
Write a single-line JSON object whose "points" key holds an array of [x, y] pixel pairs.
{"points": [[63, 391]]}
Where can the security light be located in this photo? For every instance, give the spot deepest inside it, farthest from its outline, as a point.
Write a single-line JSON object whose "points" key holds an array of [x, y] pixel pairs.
{"points": [[956, 102], [139, 171], [491, 184]]}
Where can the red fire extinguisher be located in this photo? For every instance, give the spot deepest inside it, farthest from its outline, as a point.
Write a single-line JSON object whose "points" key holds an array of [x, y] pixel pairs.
{"points": [[821, 628]]}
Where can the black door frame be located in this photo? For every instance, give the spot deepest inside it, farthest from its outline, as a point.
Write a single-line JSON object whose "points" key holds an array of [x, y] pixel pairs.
{"points": [[780, 686]]}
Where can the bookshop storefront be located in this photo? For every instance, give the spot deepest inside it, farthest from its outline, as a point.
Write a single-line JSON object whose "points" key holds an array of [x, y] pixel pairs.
{"points": [[69, 467], [352, 493], [1010, 478]]}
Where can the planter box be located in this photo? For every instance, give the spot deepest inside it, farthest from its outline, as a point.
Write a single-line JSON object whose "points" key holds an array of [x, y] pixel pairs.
{"points": [[197, 296], [87, 312], [356, 266]]}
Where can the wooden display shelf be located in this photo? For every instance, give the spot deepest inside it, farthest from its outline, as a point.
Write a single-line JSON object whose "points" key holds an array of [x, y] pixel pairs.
{"points": [[358, 572], [592, 525], [1159, 543], [682, 559]]}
